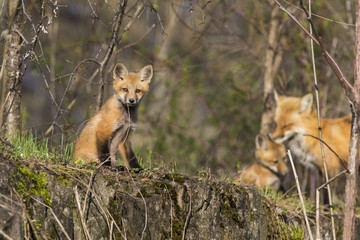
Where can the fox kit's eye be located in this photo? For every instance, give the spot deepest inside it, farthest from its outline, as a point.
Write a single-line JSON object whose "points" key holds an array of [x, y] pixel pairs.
{"points": [[287, 125], [125, 89], [276, 162], [137, 90]]}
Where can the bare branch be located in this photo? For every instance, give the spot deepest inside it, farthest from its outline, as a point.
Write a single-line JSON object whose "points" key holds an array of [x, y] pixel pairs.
{"points": [[115, 32], [334, 66]]}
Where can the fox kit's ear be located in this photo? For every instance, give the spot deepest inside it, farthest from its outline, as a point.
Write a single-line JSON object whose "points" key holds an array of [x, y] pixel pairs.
{"points": [[261, 141], [146, 73], [306, 103], [276, 96], [120, 71]]}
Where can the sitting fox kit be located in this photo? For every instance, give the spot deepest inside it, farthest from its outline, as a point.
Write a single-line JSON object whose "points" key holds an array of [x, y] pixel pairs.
{"points": [[270, 166], [295, 119], [113, 123]]}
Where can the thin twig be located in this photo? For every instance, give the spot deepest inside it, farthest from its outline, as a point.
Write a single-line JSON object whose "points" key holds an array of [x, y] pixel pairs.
{"points": [[66, 90], [191, 10], [157, 14], [54, 215], [186, 224], [88, 190], [319, 117], [317, 208], [300, 195], [342, 23], [171, 212], [334, 66], [341, 161], [137, 41], [77, 199], [145, 205], [111, 230], [4, 235]]}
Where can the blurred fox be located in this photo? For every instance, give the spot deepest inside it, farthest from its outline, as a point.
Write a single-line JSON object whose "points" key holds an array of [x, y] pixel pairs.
{"points": [[294, 118], [119, 112], [270, 166]]}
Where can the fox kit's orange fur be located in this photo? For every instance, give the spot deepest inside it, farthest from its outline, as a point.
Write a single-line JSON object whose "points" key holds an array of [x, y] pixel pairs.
{"points": [[269, 167], [294, 117], [119, 111]]}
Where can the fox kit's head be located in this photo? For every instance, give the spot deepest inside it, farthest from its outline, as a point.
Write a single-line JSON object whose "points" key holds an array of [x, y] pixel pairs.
{"points": [[131, 87], [290, 114], [271, 154]]}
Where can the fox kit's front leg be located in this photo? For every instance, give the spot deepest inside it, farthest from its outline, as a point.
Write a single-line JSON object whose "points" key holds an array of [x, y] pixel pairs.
{"points": [[128, 155]]}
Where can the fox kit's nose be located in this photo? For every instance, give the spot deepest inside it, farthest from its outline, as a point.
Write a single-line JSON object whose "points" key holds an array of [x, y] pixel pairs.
{"points": [[131, 100]]}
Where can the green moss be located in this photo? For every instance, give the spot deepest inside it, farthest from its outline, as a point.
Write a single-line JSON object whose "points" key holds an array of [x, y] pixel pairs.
{"points": [[160, 187], [175, 177], [62, 179], [30, 183], [37, 224], [144, 193], [295, 233], [177, 228], [228, 210], [339, 231], [222, 225]]}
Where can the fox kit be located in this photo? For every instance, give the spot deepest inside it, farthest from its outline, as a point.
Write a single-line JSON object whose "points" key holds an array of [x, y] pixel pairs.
{"points": [[294, 118], [117, 115], [270, 166]]}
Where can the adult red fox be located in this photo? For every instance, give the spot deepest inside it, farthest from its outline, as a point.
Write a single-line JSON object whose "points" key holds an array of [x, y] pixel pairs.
{"points": [[270, 165], [118, 114], [295, 120]]}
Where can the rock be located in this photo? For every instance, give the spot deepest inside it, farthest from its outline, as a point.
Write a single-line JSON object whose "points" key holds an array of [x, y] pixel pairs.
{"points": [[63, 202]]}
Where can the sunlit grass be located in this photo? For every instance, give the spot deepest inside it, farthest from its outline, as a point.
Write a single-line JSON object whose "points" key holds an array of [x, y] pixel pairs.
{"points": [[27, 146], [288, 200]]}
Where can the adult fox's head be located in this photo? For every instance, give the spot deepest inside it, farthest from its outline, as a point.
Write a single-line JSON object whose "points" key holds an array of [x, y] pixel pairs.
{"points": [[290, 116], [131, 87], [271, 154]]}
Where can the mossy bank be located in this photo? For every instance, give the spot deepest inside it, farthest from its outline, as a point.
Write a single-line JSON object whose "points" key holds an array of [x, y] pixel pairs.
{"points": [[40, 201]]}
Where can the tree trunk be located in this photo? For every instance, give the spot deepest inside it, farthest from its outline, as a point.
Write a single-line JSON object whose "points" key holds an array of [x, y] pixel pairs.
{"points": [[351, 187], [273, 57], [12, 72]]}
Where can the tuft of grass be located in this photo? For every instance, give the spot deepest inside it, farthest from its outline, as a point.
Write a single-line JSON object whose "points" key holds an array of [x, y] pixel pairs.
{"points": [[28, 146], [149, 163], [287, 201], [271, 194]]}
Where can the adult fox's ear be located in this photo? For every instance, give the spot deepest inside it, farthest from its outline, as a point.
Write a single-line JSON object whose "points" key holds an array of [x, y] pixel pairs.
{"points": [[146, 73], [119, 71], [306, 103]]}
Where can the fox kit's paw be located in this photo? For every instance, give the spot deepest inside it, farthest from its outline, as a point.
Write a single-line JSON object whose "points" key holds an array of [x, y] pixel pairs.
{"points": [[133, 163]]}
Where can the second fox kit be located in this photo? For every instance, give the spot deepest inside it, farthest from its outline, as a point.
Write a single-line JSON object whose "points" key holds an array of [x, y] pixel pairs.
{"points": [[294, 117], [270, 165], [119, 112]]}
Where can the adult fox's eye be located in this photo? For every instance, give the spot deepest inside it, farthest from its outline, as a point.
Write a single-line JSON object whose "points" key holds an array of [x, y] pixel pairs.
{"points": [[125, 90], [288, 125], [137, 90]]}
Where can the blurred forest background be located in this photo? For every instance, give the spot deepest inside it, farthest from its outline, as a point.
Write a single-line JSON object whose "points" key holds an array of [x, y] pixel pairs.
{"points": [[210, 61]]}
